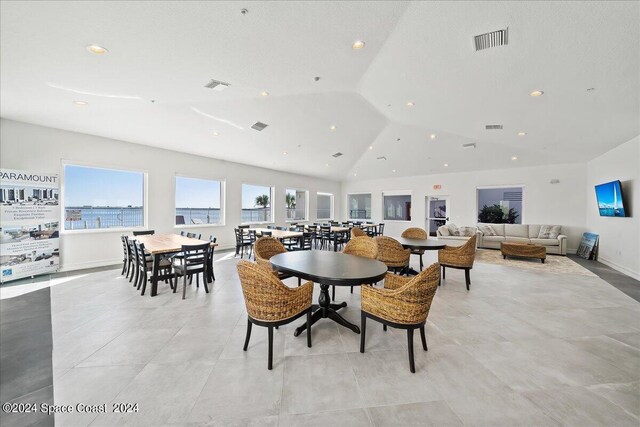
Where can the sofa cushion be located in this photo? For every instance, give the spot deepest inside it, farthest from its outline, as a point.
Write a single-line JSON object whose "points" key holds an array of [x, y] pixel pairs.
{"points": [[487, 230], [453, 229], [516, 230], [493, 238], [444, 230], [466, 231], [517, 239], [453, 238], [549, 231], [497, 228], [534, 230], [546, 242]]}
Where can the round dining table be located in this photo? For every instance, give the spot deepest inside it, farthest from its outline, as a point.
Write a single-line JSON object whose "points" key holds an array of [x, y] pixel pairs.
{"points": [[420, 245], [329, 269]]}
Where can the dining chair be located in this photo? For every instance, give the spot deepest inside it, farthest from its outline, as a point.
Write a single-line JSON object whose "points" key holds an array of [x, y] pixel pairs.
{"points": [[195, 261], [145, 265], [460, 257], [243, 240], [144, 232], [380, 229], [416, 233], [404, 303], [304, 242], [357, 232], [391, 252], [362, 246], [266, 247], [126, 257], [270, 303]]}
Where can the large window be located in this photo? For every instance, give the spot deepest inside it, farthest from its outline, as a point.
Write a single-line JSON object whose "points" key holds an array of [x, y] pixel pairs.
{"points": [[296, 204], [97, 198], [198, 201], [257, 203], [397, 207], [359, 206], [500, 205], [324, 209]]}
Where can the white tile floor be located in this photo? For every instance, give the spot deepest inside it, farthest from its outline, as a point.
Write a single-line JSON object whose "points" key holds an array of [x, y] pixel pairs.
{"points": [[521, 348]]}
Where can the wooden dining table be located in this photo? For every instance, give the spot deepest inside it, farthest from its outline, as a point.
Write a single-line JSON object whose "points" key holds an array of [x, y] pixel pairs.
{"points": [[278, 234], [162, 245]]}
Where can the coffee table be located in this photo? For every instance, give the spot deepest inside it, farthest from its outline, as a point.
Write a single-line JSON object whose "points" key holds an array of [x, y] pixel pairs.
{"points": [[523, 250]]}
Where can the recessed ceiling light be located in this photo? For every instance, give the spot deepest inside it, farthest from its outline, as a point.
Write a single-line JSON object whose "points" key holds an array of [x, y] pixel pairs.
{"points": [[98, 50], [522, 133], [326, 164], [215, 134], [446, 165], [394, 171], [333, 127], [536, 93], [432, 136], [355, 174], [514, 158], [410, 104], [357, 45], [371, 147], [264, 93], [81, 102], [285, 153]]}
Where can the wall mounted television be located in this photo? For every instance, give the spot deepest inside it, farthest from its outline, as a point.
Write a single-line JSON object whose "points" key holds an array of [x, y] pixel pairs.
{"points": [[610, 199]]}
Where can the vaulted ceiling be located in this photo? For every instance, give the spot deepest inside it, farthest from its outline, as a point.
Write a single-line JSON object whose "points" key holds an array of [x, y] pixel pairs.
{"points": [[150, 86]]}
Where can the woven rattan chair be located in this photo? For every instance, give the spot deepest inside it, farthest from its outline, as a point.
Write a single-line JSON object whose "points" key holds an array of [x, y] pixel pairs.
{"points": [[416, 233], [404, 303], [460, 257], [357, 232], [270, 303], [391, 252], [266, 247], [362, 246]]}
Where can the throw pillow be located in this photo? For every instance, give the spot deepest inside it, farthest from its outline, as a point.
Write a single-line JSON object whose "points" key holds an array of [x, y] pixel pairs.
{"points": [[549, 231], [453, 229], [487, 230], [444, 230], [466, 231]]}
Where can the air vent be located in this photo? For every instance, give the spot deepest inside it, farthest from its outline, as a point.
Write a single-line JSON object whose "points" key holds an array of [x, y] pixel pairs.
{"points": [[381, 158], [493, 127], [492, 39], [338, 154], [470, 146], [217, 85], [259, 126]]}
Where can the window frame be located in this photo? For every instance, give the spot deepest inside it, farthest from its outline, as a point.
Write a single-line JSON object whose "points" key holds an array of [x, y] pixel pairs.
{"points": [[223, 215], [63, 196], [306, 205], [349, 207], [522, 187], [397, 193], [272, 193], [332, 205]]}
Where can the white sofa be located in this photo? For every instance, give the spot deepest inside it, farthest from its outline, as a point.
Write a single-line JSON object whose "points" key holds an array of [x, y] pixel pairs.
{"points": [[445, 236], [525, 233]]}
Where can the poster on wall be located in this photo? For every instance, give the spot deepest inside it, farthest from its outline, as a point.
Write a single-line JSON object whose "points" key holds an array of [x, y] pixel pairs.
{"points": [[29, 224]]}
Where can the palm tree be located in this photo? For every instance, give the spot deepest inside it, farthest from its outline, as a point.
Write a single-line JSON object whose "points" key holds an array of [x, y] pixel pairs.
{"points": [[263, 201], [290, 199]]}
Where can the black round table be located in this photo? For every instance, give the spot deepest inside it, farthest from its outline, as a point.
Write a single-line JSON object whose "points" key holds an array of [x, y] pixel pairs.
{"points": [[329, 269], [420, 245]]}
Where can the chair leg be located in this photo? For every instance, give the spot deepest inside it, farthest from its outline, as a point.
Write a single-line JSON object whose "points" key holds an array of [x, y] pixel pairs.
{"points": [[363, 331], [421, 264], [384, 327], [270, 347], [124, 268], [197, 280], [144, 283], [175, 282], [184, 285], [309, 328], [412, 365], [444, 272], [352, 289], [204, 282], [423, 336], [333, 293], [299, 282], [246, 340], [467, 277]]}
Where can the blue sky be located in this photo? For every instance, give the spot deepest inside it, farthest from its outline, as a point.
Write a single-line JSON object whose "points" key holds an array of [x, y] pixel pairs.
{"points": [[250, 192], [197, 193], [102, 187]]}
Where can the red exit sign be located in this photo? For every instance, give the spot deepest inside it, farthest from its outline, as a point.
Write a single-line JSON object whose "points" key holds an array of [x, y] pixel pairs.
{"points": [[437, 186]]}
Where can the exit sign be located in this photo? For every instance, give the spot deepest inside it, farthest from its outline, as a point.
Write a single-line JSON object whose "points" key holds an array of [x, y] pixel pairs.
{"points": [[437, 186]]}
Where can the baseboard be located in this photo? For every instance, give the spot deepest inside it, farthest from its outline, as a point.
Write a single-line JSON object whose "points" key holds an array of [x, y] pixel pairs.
{"points": [[620, 268], [91, 264]]}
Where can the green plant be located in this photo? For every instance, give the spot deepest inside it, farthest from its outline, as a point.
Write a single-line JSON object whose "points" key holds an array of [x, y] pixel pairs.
{"points": [[495, 214], [290, 199], [263, 201]]}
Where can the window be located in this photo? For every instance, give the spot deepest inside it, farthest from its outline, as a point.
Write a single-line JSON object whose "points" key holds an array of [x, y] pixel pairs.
{"points": [[324, 206], [198, 201], [500, 205], [359, 206], [256, 203], [97, 198], [397, 207], [296, 205]]}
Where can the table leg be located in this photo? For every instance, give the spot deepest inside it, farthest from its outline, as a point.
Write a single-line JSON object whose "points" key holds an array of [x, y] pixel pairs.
{"points": [[154, 275], [325, 309]]}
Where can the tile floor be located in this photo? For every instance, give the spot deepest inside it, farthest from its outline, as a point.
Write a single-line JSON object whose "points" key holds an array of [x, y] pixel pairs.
{"points": [[520, 348]]}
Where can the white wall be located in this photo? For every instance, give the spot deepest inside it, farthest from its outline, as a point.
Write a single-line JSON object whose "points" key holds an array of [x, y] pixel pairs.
{"points": [[543, 203], [42, 149], [619, 237]]}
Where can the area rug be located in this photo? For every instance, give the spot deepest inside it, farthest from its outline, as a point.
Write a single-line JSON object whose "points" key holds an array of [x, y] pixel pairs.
{"points": [[553, 263]]}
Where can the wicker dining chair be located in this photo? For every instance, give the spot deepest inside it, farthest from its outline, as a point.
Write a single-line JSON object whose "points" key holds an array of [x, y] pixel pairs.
{"points": [[460, 257], [416, 233], [362, 246], [357, 232], [404, 303], [270, 303], [266, 247], [391, 252]]}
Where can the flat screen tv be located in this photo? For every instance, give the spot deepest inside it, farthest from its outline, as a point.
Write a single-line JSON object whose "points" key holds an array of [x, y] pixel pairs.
{"points": [[610, 200]]}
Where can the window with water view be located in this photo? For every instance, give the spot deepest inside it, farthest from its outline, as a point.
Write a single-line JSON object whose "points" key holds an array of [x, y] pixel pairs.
{"points": [[257, 203], [198, 201]]}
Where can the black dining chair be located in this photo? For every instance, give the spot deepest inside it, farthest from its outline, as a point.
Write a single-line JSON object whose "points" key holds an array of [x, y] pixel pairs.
{"points": [[194, 262], [194, 236], [243, 240], [183, 233], [126, 257], [305, 242], [144, 265], [210, 273], [144, 232]]}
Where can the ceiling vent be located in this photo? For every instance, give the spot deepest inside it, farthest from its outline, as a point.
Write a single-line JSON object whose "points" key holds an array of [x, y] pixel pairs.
{"points": [[217, 85], [492, 39], [470, 146], [338, 154], [381, 158], [259, 126], [493, 127]]}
